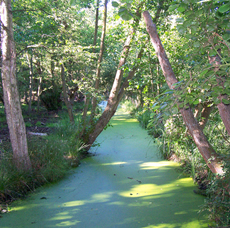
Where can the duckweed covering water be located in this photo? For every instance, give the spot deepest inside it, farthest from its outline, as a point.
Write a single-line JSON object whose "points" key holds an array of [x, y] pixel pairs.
{"points": [[125, 185]]}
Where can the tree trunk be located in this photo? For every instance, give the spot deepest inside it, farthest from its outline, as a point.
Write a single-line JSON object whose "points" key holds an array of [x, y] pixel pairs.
{"points": [[84, 116], [112, 105], [12, 104], [64, 90], [30, 63], [39, 86], [96, 27], [94, 100], [87, 98], [202, 113], [206, 150], [224, 109]]}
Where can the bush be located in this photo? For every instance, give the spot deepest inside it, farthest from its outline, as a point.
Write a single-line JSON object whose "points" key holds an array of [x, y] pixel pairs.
{"points": [[218, 201], [51, 98]]}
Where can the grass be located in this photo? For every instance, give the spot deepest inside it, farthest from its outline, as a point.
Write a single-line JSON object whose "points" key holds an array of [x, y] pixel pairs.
{"points": [[51, 156]]}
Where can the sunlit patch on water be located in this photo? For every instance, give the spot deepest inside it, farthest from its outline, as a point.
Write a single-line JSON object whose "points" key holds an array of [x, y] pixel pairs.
{"points": [[115, 163], [157, 165]]}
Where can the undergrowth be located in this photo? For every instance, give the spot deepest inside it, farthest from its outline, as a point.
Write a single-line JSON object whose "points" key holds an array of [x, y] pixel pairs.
{"points": [[51, 156]]}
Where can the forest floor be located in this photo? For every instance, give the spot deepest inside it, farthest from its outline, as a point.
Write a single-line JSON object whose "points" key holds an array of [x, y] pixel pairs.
{"points": [[35, 122]]}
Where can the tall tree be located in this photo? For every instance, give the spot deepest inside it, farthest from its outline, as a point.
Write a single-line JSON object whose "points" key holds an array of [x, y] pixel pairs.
{"points": [[114, 92], [98, 70], [87, 96], [12, 104], [206, 150]]}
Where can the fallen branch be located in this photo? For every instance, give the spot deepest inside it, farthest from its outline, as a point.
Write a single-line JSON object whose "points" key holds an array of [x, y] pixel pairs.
{"points": [[36, 133]]}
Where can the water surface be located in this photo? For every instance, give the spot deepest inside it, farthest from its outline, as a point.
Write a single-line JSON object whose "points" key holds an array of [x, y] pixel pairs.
{"points": [[126, 185]]}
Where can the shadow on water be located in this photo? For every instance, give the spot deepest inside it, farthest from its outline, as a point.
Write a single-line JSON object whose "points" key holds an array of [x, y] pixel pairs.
{"points": [[124, 185]]}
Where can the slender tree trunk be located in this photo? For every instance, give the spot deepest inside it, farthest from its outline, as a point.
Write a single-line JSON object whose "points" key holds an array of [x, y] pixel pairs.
{"points": [[64, 90], [84, 120], [98, 70], [206, 150], [96, 26], [87, 98], [158, 79], [39, 86], [12, 104], [30, 62], [39, 93], [224, 109]]}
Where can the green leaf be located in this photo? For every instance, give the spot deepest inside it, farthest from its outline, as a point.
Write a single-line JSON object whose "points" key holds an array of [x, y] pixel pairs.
{"points": [[226, 36], [173, 7], [122, 10], [115, 4], [196, 44], [180, 20], [72, 2], [224, 8], [181, 29], [225, 101], [210, 28], [125, 14], [212, 53], [181, 9], [203, 73], [194, 28], [196, 102]]}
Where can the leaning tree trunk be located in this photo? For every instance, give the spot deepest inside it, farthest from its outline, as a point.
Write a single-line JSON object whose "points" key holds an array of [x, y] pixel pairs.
{"points": [[206, 150], [12, 104], [113, 97], [98, 70], [64, 90]]}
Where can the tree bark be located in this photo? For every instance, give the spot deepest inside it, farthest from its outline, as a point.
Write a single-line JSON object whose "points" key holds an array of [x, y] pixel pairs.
{"points": [[30, 63], [84, 115], [64, 90], [96, 26], [39, 85], [205, 113], [12, 104], [206, 150], [98, 70]]}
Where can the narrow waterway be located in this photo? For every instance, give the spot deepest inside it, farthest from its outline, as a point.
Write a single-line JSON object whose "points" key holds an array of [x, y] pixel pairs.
{"points": [[125, 185]]}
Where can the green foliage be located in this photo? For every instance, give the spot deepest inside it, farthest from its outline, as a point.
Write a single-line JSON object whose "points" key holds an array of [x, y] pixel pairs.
{"points": [[61, 32], [218, 200], [127, 106], [51, 157], [51, 99]]}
